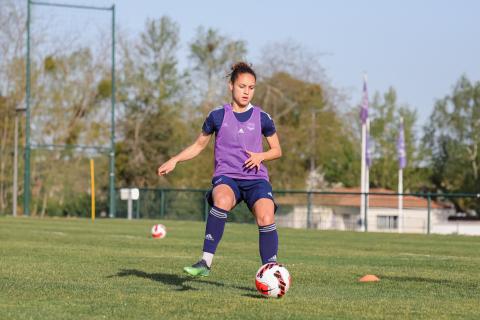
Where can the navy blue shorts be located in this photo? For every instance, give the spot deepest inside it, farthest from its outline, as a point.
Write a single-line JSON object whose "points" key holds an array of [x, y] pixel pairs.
{"points": [[245, 190]]}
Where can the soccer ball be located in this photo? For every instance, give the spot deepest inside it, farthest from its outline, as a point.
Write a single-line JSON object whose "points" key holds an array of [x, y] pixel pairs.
{"points": [[272, 280], [159, 231]]}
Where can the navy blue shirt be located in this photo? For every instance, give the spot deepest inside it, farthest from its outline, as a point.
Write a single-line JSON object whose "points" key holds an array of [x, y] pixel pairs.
{"points": [[215, 118]]}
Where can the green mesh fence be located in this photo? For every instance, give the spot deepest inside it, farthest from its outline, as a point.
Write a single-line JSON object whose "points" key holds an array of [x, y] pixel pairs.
{"points": [[419, 213], [70, 107]]}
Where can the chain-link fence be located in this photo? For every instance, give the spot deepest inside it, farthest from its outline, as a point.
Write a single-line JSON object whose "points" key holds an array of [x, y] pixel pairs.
{"points": [[384, 211]]}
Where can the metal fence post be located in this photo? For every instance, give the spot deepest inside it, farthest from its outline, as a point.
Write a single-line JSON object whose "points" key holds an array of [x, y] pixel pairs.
{"points": [[429, 213], [112, 125], [205, 209], [162, 203], [138, 208], [366, 211], [309, 210]]}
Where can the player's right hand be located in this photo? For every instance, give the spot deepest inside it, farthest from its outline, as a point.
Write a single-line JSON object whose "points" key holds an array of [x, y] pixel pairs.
{"points": [[167, 167]]}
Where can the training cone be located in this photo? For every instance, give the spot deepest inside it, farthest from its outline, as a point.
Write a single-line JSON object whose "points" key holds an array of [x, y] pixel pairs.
{"points": [[369, 278]]}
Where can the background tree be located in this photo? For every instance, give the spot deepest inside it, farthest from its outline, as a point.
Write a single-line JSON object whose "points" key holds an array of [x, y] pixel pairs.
{"points": [[12, 84], [311, 132], [212, 55], [70, 107], [313, 127], [452, 140], [151, 121], [384, 128]]}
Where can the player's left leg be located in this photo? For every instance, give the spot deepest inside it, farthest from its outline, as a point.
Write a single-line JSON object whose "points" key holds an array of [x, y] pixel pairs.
{"points": [[264, 212], [223, 197]]}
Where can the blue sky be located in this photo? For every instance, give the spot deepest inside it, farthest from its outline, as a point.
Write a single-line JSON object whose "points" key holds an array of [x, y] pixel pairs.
{"points": [[420, 47]]}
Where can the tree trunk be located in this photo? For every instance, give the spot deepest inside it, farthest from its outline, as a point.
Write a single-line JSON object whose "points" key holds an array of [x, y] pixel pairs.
{"points": [[44, 203], [473, 152], [3, 160]]}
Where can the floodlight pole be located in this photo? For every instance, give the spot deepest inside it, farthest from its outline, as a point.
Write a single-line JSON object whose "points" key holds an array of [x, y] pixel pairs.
{"points": [[112, 133], [313, 140], [15, 168], [26, 176]]}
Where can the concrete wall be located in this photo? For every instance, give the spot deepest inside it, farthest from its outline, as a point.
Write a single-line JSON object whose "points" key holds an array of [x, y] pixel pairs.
{"points": [[347, 218], [471, 228]]}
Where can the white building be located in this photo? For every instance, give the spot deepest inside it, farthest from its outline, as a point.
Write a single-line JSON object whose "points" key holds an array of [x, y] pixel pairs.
{"points": [[342, 212]]}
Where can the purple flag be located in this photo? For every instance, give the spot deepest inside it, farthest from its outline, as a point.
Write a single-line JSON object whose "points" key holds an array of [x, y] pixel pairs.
{"points": [[402, 154], [364, 106]]}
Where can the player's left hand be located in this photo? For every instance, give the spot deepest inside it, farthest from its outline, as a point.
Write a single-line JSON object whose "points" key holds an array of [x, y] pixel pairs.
{"points": [[254, 160]]}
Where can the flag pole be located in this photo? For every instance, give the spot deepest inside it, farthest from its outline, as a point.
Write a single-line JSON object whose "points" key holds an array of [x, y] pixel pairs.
{"points": [[400, 200], [363, 173], [402, 160], [362, 178], [367, 167]]}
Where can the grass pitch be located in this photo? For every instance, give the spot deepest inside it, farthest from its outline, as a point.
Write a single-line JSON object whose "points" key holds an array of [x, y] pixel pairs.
{"points": [[112, 269]]}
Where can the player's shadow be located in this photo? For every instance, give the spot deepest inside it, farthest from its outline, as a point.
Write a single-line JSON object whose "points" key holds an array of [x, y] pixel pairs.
{"points": [[180, 282]]}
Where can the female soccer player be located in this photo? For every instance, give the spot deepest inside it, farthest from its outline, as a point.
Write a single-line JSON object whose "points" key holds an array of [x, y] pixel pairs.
{"points": [[239, 170]]}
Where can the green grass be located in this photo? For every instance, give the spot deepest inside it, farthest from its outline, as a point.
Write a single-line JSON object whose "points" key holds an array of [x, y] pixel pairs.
{"points": [[111, 269]]}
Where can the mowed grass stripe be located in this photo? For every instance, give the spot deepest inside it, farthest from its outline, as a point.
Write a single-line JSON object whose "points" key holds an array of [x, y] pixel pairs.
{"points": [[76, 269]]}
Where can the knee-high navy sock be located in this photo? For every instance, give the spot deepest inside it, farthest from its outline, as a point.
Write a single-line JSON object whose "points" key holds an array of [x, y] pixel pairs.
{"points": [[268, 243], [214, 230]]}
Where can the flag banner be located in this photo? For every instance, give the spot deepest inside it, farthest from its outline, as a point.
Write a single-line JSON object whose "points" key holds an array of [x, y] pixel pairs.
{"points": [[364, 106], [402, 154]]}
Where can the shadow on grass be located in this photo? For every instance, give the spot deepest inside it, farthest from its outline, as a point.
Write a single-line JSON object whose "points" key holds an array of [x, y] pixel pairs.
{"points": [[180, 282], [254, 296], [457, 285], [416, 279]]}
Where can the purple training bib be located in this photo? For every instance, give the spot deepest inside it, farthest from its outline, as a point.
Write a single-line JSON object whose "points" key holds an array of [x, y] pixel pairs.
{"points": [[231, 143]]}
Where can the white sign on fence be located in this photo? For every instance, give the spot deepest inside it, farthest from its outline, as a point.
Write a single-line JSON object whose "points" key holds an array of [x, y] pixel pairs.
{"points": [[129, 194]]}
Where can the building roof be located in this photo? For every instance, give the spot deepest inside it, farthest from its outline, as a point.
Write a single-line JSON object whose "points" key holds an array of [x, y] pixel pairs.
{"points": [[387, 199]]}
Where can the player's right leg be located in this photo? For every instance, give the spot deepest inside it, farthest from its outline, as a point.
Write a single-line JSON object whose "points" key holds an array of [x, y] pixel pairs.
{"points": [[224, 198]]}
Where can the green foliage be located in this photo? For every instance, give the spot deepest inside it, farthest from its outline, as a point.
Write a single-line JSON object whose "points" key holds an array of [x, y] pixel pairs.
{"points": [[148, 94], [49, 64], [312, 134], [212, 54], [452, 140], [104, 89], [61, 182], [384, 130], [68, 98]]}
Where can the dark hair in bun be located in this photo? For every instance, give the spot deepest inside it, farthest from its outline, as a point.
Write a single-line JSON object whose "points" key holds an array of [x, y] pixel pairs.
{"points": [[239, 68]]}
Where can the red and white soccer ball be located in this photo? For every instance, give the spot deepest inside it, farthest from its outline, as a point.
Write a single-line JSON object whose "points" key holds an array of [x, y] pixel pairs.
{"points": [[272, 280], [159, 231]]}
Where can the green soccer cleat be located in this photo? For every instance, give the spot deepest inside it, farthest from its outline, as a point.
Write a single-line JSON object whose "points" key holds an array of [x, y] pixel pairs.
{"points": [[199, 269]]}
